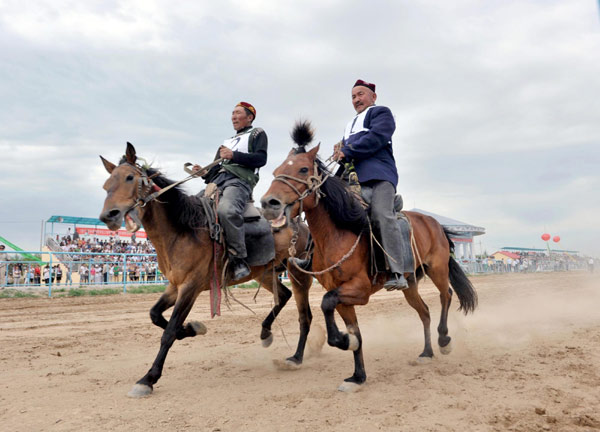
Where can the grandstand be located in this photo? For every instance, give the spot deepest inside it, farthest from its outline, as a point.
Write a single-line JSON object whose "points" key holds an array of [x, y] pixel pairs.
{"points": [[463, 241]]}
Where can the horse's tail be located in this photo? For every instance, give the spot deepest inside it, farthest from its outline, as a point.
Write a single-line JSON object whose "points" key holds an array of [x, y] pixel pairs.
{"points": [[460, 282]]}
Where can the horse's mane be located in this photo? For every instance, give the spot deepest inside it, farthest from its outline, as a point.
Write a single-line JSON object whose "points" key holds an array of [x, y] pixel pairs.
{"points": [[184, 211], [345, 210]]}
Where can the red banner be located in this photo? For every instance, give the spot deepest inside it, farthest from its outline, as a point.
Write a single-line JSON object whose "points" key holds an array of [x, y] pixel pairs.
{"points": [[107, 232]]}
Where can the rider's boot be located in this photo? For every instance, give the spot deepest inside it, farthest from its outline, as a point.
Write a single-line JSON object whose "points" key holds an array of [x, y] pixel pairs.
{"points": [[239, 268], [396, 281], [304, 264]]}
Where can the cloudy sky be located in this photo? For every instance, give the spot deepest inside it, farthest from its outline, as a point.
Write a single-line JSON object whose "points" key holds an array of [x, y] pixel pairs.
{"points": [[497, 102]]}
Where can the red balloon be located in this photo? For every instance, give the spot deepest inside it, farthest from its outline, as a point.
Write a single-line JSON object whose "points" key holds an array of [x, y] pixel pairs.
{"points": [[546, 237], [556, 239]]}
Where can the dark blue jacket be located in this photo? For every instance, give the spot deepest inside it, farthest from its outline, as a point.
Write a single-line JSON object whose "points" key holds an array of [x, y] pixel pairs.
{"points": [[371, 150]]}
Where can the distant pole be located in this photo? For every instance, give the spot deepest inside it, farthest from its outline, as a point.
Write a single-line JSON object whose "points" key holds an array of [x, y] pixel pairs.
{"points": [[42, 235]]}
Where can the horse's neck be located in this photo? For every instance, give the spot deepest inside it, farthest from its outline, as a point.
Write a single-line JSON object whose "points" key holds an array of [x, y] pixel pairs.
{"points": [[322, 228], [159, 229]]}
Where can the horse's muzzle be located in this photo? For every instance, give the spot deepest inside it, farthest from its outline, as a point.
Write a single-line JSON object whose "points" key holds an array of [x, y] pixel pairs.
{"points": [[272, 207], [112, 218]]}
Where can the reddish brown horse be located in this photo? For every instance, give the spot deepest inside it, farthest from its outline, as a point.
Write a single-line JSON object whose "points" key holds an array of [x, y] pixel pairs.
{"points": [[338, 225], [177, 226]]}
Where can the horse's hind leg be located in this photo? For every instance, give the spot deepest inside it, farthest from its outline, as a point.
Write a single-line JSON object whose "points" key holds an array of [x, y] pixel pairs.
{"points": [[439, 277], [301, 283], [414, 299], [183, 305]]}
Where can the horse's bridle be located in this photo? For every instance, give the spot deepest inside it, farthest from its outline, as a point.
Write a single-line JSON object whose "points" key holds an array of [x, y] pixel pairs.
{"points": [[313, 184]]}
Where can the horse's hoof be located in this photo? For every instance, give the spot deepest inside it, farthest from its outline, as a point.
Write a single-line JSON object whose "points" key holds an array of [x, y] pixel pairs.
{"points": [[266, 343], [140, 391], [349, 387], [446, 349], [353, 342], [198, 327], [424, 360], [286, 364]]}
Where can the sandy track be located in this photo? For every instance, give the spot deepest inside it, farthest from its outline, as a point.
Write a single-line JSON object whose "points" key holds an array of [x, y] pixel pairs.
{"points": [[527, 360]]}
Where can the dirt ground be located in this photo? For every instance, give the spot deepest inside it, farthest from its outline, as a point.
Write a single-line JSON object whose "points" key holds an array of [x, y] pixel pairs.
{"points": [[527, 360]]}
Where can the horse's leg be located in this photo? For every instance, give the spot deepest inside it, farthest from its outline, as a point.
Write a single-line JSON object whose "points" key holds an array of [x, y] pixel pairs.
{"points": [[343, 299], [301, 283], [414, 299], [272, 283], [183, 305], [348, 314], [439, 276], [167, 300]]}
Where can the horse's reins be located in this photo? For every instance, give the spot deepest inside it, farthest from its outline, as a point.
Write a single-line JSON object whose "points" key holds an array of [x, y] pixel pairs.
{"points": [[145, 182]]}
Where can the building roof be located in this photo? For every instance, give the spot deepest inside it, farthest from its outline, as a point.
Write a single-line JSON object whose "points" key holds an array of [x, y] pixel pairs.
{"points": [[508, 254], [453, 224], [76, 220]]}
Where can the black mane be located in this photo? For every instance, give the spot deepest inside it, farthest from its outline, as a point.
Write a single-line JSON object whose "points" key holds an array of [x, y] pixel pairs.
{"points": [[184, 211], [345, 210]]}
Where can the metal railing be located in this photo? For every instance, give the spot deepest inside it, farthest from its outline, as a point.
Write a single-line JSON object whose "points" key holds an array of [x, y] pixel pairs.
{"points": [[57, 270]]}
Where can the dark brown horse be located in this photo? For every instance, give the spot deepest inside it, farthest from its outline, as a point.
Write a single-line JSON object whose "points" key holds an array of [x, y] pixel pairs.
{"points": [[338, 225], [177, 226]]}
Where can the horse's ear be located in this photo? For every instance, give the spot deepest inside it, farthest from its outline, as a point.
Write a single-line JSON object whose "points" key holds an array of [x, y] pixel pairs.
{"points": [[313, 152], [130, 153], [108, 165]]}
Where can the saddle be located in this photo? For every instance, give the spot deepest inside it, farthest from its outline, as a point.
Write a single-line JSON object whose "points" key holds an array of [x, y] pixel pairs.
{"points": [[260, 244]]}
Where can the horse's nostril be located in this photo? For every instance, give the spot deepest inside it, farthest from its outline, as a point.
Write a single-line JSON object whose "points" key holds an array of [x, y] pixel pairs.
{"points": [[113, 213], [274, 202]]}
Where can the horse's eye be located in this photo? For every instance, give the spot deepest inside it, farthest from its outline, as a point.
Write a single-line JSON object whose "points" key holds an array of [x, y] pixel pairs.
{"points": [[303, 170], [129, 178]]}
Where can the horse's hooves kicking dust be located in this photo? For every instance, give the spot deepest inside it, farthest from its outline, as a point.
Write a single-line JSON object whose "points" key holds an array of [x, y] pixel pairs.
{"points": [[349, 387], [446, 349], [286, 364], [140, 391], [266, 343]]}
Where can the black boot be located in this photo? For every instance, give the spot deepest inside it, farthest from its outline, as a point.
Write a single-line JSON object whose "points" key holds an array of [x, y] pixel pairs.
{"points": [[397, 281], [239, 268], [304, 264]]}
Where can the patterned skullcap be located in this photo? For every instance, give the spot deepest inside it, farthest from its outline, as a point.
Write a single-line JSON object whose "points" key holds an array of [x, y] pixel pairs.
{"points": [[360, 82], [248, 106]]}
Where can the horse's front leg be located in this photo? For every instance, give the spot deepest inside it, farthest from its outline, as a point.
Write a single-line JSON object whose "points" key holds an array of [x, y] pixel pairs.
{"points": [[167, 300], [174, 329], [343, 299], [284, 294]]}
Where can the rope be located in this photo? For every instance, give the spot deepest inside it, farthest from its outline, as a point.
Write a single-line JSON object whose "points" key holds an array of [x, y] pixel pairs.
{"points": [[413, 246], [337, 264]]}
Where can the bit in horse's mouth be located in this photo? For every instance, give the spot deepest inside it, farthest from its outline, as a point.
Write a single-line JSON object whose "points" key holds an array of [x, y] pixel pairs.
{"points": [[131, 223], [281, 220]]}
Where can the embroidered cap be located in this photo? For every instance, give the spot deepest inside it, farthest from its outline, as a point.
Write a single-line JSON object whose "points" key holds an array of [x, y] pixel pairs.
{"points": [[360, 82], [248, 106]]}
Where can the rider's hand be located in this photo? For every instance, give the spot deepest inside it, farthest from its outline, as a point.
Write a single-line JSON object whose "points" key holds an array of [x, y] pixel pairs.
{"points": [[196, 168], [338, 154], [225, 153]]}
